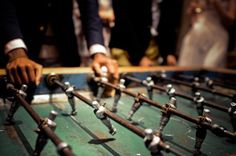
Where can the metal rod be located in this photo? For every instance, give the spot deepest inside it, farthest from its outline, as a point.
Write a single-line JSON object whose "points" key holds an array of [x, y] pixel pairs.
{"points": [[180, 114], [47, 130], [205, 102], [197, 87], [119, 120], [217, 82]]}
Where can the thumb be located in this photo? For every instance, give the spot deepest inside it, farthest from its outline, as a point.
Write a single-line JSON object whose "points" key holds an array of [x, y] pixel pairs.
{"points": [[97, 69]]}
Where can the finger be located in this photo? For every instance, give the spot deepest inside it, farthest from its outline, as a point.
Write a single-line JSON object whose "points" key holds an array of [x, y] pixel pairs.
{"points": [[10, 74], [97, 69], [110, 67], [38, 72], [16, 76], [23, 73], [116, 69], [31, 73]]}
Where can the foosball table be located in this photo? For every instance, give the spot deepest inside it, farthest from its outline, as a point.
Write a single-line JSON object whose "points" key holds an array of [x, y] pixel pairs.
{"points": [[150, 111]]}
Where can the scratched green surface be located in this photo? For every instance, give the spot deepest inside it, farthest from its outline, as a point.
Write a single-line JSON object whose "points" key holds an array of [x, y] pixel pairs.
{"points": [[88, 136], [9, 145]]}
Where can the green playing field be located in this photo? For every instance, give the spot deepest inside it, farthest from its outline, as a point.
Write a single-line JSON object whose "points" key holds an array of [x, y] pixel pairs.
{"points": [[87, 135]]}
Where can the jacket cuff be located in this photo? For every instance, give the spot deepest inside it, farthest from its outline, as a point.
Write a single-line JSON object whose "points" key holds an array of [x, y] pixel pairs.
{"points": [[14, 44], [97, 48]]}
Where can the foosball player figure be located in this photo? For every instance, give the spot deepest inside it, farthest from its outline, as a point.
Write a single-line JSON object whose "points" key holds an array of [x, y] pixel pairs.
{"points": [[101, 87], [209, 82], [201, 132], [195, 84], [15, 105], [170, 90], [52, 116], [166, 114], [160, 77], [152, 141], [118, 95], [42, 138], [149, 83], [232, 114], [136, 105], [99, 111], [71, 99], [163, 74], [198, 100]]}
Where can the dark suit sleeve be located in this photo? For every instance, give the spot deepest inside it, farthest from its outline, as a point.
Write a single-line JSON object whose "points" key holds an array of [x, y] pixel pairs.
{"points": [[10, 28], [92, 25]]}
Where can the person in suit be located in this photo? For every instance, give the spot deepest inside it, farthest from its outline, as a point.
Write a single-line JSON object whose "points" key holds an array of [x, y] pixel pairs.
{"points": [[24, 26]]}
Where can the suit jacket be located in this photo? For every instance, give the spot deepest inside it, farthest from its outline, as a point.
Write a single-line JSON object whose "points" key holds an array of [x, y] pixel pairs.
{"points": [[28, 19], [132, 27]]}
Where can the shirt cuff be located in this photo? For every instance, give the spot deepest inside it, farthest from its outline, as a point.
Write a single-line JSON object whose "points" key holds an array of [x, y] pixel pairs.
{"points": [[14, 44], [97, 48]]}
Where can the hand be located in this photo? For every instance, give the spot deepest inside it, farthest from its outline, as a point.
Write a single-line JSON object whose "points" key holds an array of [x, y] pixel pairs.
{"points": [[106, 12], [146, 62], [100, 60], [107, 16], [21, 70], [171, 60]]}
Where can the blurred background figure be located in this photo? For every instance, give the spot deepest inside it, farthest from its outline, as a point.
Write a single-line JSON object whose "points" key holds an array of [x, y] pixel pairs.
{"points": [[80, 36], [206, 42], [107, 15], [231, 57], [132, 37], [145, 32], [169, 30]]}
